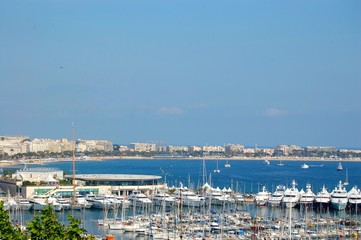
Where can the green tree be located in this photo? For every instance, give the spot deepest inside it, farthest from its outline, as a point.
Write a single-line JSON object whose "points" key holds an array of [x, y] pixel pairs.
{"points": [[74, 231], [43, 226], [7, 228], [46, 226]]}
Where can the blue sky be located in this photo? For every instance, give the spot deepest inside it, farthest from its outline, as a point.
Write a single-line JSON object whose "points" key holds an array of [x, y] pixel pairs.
{"points": [[183, 72]]}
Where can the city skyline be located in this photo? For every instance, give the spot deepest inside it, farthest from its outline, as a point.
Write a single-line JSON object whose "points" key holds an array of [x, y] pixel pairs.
{"points": [[183, 72]]}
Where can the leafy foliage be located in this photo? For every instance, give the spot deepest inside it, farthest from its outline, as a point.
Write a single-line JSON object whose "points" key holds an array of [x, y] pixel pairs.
{"points": [[7, 229], [44, 226]]}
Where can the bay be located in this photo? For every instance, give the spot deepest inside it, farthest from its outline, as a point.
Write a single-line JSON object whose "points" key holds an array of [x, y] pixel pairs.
{"points": [[242, 176], [249, 174]]}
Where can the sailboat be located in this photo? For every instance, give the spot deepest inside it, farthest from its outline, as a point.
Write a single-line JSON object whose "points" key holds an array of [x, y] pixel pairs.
{"points": [[227, 165], [345, 183], [74, 204], [339, 167], [217, 169], [280, 164]]}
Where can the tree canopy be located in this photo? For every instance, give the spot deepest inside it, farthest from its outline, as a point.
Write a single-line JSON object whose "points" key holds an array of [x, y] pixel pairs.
{"points": [[44, 226]]}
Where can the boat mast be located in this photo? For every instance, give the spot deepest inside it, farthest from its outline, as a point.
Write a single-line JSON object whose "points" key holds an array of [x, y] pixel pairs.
{"points": [[73, 164]]}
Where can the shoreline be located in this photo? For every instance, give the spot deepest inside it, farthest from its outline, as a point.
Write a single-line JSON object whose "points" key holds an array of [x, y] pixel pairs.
{"points": [[8, 163]]}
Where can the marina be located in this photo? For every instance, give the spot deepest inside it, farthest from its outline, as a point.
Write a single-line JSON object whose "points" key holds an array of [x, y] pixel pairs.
{"points": [[225, 206]]}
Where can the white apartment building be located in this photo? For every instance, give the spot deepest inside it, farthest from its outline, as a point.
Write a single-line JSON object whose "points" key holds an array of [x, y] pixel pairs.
{"points": [[143, 147], [173, 149], [13, 145], [194, 149], [94, 145], [287, 149], [213, 149], [49, 145], [234, 148]]}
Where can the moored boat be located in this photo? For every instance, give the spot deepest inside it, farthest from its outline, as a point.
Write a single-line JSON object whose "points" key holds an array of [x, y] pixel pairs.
{"points": [[339, 197], [308, 197], [138, 198], [163, 199], [277, 196], [292, 196], [354, 197], [262, 197], [189, 198], [323, 197]]}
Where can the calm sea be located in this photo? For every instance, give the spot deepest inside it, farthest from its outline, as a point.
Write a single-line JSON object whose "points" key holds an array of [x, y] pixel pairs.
{"points": [[242, 176], [246, 175]]}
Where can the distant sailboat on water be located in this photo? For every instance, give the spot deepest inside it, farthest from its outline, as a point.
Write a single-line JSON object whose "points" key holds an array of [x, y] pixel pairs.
{"points": [[346, 180], [339, 167], [217, 169], [280, 164]]}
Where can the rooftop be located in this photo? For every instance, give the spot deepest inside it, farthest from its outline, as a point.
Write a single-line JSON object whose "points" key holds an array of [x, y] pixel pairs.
{"points": [[114, 177], [39, 170]]}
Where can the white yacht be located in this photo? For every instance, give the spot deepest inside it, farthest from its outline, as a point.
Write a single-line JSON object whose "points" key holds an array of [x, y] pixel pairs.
{"points": [[218, 197], [323, 197], [139, 198], [189, 198], [40, 202], [292, 196], [24, 204], [304, 166], [307, 197], [339, 197], [103, 201], [238, 197], [163, 199], [262, 197], [354, 197], [277, 196], [81, 202], [65, 203], [10, 203], [123, 201]]}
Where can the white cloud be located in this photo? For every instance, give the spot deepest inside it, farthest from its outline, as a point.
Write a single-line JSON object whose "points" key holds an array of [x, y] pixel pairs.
{"points": [[170, 111], [274, 112]]}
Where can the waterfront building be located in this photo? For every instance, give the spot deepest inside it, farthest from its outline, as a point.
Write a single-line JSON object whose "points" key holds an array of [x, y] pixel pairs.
{"points": [[13, 145], [94, 145], [120, 184], [286, 150], [193, 149], [174, 149], [143, 147], [49, 145], [233, 149], [38, 175], [320, 151], [209, 149]]}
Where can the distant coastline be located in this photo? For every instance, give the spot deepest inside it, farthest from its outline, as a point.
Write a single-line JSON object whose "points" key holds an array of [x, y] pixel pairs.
{"points": [[5, 163]]}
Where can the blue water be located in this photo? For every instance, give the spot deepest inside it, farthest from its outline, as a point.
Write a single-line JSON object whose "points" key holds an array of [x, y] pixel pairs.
{"points": [[247, 176], [243, 176]]}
